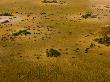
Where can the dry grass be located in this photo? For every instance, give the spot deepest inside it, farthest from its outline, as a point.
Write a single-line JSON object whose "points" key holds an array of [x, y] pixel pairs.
{"points": [[59, 26]]}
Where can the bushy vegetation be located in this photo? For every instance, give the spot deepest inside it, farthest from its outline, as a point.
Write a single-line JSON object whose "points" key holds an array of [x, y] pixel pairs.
{"points": [[21, 32], [104, 36], [6, 14], [103, 41], [53, 53], [49, 1]]}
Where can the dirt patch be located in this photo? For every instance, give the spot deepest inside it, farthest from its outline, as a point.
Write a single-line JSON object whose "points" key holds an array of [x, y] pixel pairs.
{"points": [[9, 19]]}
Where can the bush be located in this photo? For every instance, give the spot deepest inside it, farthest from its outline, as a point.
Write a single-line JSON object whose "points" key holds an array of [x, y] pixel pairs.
{"points": [[6, 14], [104, 36], [53, 53], [21, 32], [103, 41], [47, 1]]}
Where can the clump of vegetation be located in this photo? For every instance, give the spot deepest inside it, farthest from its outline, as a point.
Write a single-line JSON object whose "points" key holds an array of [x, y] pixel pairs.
{"points": [[49, 1], [103, 41], [53, 53], [88, 14], [21, 32], [104, 36], [6, 14]]}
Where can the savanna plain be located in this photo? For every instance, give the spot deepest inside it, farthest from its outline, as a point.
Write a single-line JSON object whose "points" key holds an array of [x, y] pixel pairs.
{"points": [[54, 40]]}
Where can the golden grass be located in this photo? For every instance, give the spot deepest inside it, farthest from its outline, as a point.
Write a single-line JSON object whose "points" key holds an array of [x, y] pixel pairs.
{"points": [[53, 26]]}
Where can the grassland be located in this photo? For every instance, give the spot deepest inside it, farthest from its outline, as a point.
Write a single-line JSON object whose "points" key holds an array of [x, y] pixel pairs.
{"points": [[58, 26]]}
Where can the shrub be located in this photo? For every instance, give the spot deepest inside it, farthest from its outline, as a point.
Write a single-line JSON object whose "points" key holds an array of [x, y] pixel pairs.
{"points": [[104, 36], [53, 53], [6, 14], [103, 41], [21, 32], [49, 1]]}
